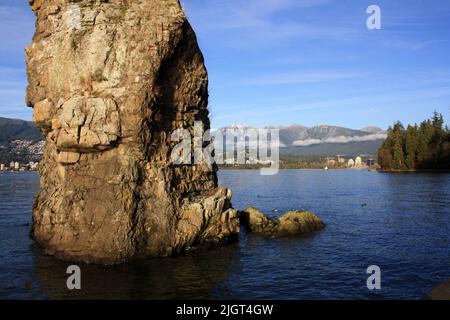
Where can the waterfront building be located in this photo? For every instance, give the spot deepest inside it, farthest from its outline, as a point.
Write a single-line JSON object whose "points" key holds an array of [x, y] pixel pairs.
{"points": [[340, 158], [351, 163], [32, 165]]}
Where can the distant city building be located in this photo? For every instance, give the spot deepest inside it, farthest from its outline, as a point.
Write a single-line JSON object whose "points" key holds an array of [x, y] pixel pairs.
{"points": [[2, 167], [340, 158], [358, 162], [32, 165], [11, 165], [370, 162], [16, 166], [351, 163]]}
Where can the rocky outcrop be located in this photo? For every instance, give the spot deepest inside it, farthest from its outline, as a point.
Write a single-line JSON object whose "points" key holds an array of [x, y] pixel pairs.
{"points": [[441, 292], [291, 223], [109, 81]]}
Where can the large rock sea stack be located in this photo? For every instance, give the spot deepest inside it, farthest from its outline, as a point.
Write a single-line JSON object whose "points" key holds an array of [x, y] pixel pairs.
{"points": [[109, 81]]}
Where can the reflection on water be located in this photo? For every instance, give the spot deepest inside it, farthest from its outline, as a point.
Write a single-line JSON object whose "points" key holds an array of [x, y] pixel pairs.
{"points": [[185, 277], [400, 222]]}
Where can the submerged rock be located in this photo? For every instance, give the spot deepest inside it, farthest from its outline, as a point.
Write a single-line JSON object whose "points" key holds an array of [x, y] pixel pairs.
{"points": [[291, 223], [109, 81]]}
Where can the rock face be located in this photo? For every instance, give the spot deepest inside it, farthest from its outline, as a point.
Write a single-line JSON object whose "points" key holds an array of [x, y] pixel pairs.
{"points": [[291, 223], [441, 292], [109, 81]]}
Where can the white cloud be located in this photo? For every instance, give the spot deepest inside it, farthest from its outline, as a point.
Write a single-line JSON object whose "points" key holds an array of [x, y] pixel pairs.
{"points": [[299, 78], [411, 45], [340, 139], [357, 102], [307, 142]]}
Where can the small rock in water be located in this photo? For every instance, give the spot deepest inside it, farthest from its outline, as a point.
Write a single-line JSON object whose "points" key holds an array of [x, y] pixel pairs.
{"points": [[291, 223], [441, 292]]}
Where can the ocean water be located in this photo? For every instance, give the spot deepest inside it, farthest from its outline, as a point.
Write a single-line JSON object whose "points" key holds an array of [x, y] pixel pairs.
{"points": [[399, 222]]}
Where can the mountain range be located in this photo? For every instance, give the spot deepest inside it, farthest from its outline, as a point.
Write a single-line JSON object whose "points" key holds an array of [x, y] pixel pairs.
{"points": [[21, 139], [15, 129], [321, 140]]}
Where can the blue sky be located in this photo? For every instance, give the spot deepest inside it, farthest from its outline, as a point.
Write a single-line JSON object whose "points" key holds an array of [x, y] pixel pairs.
{"points": [[279, 62]]}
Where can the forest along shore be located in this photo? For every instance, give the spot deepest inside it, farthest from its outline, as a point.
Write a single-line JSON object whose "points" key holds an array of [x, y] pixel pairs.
{"points": [[423, 147]]}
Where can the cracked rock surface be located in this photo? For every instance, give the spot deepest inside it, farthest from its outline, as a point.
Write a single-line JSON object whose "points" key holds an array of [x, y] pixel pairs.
{"points": [[109, 81]]}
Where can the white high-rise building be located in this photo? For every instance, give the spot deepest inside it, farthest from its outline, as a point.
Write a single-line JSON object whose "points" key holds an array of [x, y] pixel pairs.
{"points": [[2, 167], [16, 166], [358, 162], [351, 163]]}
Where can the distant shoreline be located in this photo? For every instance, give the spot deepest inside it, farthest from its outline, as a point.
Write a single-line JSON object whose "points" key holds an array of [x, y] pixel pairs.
{"points": [[416, 171], [332, 169], [4, 172], [239, 168], [321, 168]]}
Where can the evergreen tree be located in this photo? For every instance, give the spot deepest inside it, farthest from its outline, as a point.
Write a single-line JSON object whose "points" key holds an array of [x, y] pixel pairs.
{"points": [[398, 156], [423, 148], [411, 144], [418, 147], [446, 150], [437, 138], [384, 153]]}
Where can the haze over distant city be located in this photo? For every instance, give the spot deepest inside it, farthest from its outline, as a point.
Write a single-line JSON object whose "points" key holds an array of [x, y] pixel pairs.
{"points": [[278, 62]]}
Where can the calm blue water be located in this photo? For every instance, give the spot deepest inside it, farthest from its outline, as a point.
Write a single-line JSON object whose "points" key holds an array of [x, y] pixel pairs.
{"points": [[400, 222]]}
